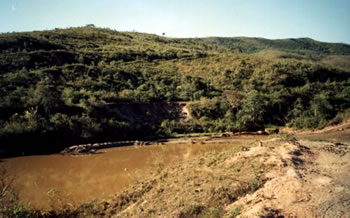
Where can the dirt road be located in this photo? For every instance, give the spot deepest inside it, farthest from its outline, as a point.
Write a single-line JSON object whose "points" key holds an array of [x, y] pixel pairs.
{"points": [[309, 179]]}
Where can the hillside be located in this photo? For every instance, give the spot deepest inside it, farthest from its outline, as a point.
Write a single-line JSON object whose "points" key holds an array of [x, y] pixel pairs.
{"points": [[56, 85], [299, 46]]}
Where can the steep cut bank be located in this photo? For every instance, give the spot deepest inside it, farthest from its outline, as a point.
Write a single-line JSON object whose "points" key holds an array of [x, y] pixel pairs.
{"points": [[151, 113]]}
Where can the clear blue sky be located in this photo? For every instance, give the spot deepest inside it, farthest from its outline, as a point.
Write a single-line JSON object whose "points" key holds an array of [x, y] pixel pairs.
{"points": [[323, 20]]}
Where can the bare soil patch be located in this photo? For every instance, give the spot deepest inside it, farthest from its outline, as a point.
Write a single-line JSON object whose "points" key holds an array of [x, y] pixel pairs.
{"points": [[275, 177]]}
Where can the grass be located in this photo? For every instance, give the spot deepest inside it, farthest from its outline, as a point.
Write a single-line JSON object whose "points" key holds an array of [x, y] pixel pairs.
{"points": [[316, 139], [192, 211], [235, 212], [178, 135], [213, 212], [255, 183], [282, 136], [10, 206], [331, 140]]}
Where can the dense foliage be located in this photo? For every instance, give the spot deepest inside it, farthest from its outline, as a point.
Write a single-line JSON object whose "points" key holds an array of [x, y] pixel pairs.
{"points": [[56, 85]]}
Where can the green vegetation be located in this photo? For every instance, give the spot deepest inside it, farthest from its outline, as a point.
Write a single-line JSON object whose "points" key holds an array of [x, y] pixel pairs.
{"points": [[9, 202], [235, 212], [56, 86]]}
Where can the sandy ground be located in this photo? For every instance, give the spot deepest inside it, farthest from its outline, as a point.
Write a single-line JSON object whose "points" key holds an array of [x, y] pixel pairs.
{"points": [[309, 179]]}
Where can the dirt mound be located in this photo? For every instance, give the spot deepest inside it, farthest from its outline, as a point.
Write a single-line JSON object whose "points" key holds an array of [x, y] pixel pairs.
{"points": [[308, 180], [340, 127], [270, 178]]}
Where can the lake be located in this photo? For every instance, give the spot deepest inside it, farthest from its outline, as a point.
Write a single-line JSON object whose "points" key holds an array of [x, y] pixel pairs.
{"points": [[47, 181]]}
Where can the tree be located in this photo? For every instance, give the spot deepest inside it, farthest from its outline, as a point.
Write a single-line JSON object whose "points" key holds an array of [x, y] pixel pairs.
{"points": [[45, 96], [233, 98], [251, 116], [321, 107], [90, 25]]}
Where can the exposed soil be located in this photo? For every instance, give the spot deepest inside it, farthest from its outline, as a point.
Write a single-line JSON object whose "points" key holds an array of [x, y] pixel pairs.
{"points": [[309, 179], [339, 132], [139, 113], [274, 177]]}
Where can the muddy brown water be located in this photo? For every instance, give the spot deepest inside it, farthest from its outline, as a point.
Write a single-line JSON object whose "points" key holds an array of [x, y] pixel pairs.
{"points": [[48, 181]]}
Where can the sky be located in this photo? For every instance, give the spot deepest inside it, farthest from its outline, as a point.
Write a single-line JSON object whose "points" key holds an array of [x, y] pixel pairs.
{"points": [[322, 20]]}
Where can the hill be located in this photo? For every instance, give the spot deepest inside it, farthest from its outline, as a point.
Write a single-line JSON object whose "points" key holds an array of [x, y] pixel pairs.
{"points": [[299, 46], [56, 85]]}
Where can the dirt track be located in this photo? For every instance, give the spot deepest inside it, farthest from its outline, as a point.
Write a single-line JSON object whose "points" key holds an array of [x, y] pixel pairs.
{"points": [[309, 179]]}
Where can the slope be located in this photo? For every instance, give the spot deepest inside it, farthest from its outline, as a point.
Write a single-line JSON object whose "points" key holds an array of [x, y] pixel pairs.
{"points": [[56, 85]]}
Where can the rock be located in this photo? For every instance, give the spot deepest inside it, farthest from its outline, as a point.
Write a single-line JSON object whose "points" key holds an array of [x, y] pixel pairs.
{"points": [[260, 132], [198, 190], [272, 131], [84, 150], [74, 147], [245, 149], [65, 151]]}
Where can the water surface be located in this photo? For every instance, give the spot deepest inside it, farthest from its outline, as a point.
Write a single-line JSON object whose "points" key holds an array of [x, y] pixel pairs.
{"points": [[54, 180]]}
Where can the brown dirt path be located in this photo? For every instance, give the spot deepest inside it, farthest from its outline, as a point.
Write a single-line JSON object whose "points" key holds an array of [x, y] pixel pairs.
{"points": [[310, 179]]}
